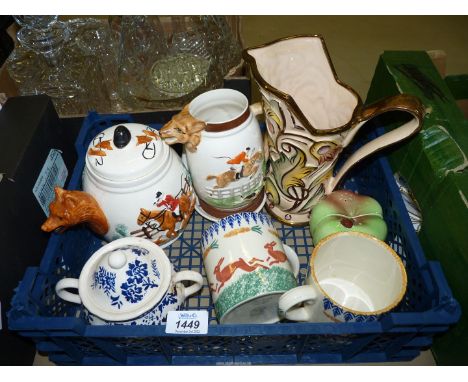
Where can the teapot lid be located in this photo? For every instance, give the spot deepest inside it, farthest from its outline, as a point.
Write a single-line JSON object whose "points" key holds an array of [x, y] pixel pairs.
{"points": [[125, 152], [124, 279]]}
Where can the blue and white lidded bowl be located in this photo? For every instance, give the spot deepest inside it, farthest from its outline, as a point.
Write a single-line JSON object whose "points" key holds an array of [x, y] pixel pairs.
{"points": [[129, 281]]}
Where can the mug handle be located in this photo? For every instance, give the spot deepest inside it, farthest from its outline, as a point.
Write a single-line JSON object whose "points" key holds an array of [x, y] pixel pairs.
{"points": [[61, 291], [195, 277], [401, 102], [301, 294], [293, 259]]}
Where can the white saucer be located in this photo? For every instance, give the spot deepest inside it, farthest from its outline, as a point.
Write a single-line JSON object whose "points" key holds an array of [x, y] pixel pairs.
{"points": [[212, 218]]}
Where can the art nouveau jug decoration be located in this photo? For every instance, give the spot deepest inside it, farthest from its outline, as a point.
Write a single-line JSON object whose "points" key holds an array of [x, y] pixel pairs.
{"points": [[129, 282], [224, 151], [134, 184], [311, 116]]}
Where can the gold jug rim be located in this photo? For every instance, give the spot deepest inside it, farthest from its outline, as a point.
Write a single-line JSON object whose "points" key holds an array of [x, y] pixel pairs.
{"points": [[289, 100]]}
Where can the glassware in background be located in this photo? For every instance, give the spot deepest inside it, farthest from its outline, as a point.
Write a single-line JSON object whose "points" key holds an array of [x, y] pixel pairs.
{"points": [[41, 63], [228, 49], [94, 38], [165, 61], [123, 63], [74, 62]]}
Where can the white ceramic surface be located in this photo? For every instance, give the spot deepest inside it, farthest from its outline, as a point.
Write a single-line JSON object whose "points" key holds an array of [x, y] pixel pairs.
{"points": [[227, 167], [247, 267], [145, 174], [129, 281], [301, 69], [353, 277]]}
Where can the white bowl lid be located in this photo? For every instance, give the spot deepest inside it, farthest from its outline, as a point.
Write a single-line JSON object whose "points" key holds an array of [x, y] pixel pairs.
{"points": [[124, 279], [125, 152]]}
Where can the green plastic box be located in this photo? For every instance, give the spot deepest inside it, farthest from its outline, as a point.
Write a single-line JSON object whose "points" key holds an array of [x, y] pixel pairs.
{"points": [[434, 164]]}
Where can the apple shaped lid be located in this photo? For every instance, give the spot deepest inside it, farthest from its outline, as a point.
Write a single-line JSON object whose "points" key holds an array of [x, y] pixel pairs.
{"points": [[124, 279], [125, 152]]}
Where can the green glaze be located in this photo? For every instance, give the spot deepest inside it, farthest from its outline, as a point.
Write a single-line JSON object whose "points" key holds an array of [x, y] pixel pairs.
{"points": [[121, 230], [345, 211], [233, 201], [256, 283]]}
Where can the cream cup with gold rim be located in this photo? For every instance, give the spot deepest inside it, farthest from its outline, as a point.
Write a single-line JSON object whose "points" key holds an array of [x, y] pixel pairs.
{"points": [[353, 277]]}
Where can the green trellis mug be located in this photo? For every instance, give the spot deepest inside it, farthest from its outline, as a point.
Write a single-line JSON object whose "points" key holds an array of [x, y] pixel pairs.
{"points": [[248, 268]]}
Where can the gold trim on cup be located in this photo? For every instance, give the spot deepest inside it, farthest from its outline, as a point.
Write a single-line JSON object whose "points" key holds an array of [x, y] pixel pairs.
{"points": [[381, 243]]}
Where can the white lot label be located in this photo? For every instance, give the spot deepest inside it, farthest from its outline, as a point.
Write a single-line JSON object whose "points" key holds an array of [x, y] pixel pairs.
{"points": [[187, 322]]}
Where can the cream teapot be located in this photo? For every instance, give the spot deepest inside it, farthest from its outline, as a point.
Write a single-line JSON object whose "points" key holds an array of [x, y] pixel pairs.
{"points": [[134, 184]]}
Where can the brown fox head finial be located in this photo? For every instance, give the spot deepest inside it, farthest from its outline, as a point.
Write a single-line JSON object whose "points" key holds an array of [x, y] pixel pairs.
{"points": [[74, 207], [183, 128]]}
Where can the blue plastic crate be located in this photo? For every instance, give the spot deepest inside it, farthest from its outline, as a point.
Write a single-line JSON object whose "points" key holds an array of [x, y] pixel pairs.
{"points": [[59, 330]]}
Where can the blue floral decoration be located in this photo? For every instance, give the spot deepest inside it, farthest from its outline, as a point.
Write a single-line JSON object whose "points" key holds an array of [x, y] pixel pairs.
{"points": [[104, 280], [230, 220], [132, 292], [337, 311], [116, 301], [265, 219], [262, 218], [222, 223], [147, 284], [327, 304], [140, 251], [136, 250], [138, 271], [169, 299], [254, 218], [214, 228], [360, 318], [154, 268], [348, 316]]}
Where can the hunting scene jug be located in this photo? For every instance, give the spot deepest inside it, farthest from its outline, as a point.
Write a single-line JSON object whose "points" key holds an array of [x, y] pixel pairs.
{"points": [[224, 151]]}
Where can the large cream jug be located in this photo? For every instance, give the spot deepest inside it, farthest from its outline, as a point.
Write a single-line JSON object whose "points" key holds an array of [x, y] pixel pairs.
{"points": [[311, 116]]}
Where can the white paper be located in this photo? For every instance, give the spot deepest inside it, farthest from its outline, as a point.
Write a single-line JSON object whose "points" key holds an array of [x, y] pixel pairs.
{"points": [[187, 322]]}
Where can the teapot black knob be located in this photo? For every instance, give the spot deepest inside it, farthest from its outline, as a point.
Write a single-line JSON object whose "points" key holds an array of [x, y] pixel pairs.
{"points": [[121, 136]]}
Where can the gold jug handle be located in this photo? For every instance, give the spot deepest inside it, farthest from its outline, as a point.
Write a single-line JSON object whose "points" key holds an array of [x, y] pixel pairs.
{"points": [[401, 102]]}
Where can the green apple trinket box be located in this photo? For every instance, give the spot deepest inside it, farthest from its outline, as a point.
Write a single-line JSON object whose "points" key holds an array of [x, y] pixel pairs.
{"points": [[345, 211]]}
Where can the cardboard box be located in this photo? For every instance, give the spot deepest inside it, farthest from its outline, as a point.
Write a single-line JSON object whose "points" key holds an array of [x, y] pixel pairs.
{"points": [[434, 164], [34, 151]]}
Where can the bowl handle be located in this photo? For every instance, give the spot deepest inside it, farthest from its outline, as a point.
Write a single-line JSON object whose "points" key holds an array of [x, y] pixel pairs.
{"points": [[195, 277], [61, 291]]}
